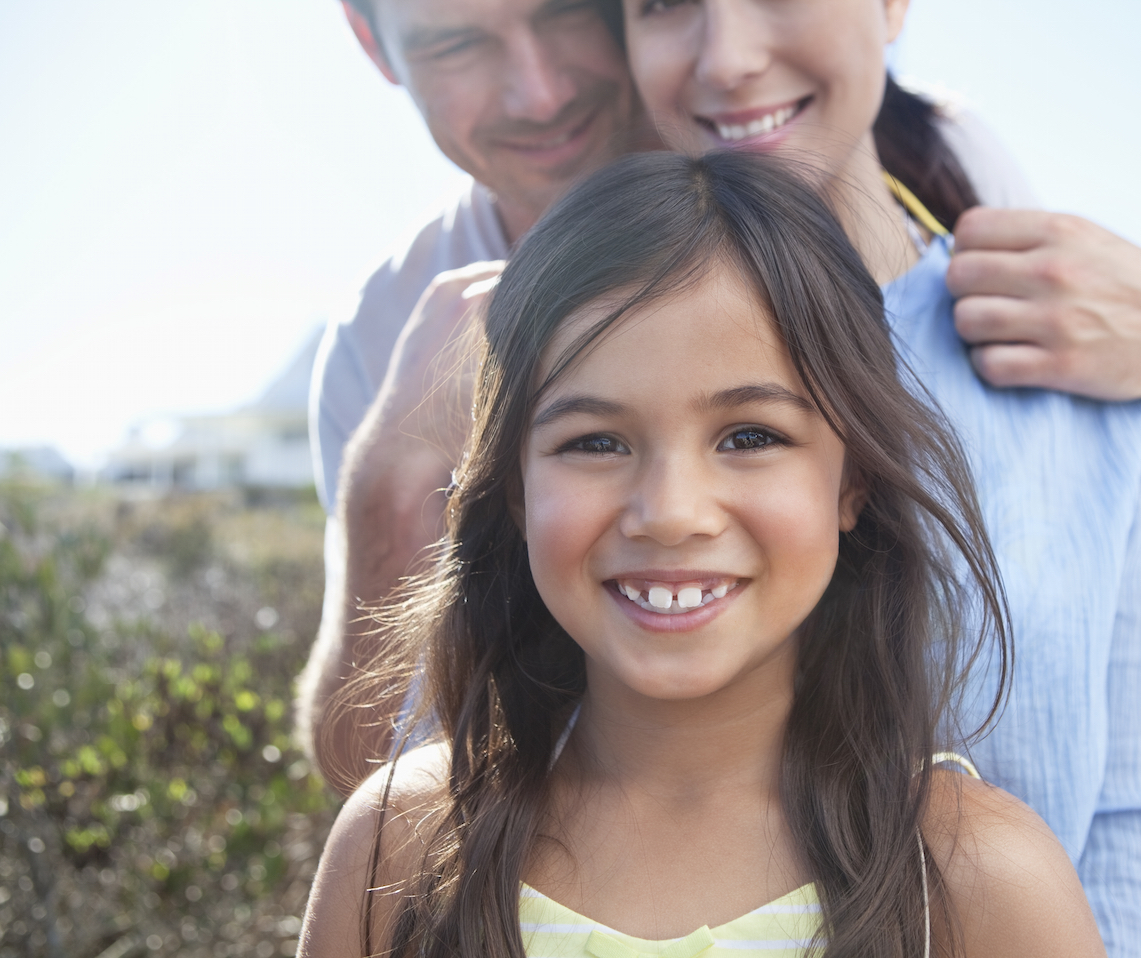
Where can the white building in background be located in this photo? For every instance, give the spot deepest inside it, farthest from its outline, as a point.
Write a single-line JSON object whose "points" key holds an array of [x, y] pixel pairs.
{"points": [[263, 444]]}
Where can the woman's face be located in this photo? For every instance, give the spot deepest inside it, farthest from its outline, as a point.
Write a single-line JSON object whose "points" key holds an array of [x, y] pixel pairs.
{"points": [[800, 76], [683, 499]]}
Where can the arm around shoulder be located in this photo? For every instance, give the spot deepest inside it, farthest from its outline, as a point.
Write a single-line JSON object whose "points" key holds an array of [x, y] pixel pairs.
{"points": [[1012, 887], [390, 509]]}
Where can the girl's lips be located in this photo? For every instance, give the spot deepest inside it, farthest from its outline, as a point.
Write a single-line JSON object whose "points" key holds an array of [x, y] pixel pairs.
{"points": [[674, 598], [673, 606]]}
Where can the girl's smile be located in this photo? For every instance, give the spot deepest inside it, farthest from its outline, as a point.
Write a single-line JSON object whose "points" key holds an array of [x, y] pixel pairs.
{"points": [[683, 499], [669, 597]]}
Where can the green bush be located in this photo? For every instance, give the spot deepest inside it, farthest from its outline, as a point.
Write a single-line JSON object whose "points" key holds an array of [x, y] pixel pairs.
{"points": [[151, 797]]}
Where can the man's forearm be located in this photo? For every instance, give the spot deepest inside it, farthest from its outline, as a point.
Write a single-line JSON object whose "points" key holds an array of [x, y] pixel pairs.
{"points": [[390, 508], [391, 511]]}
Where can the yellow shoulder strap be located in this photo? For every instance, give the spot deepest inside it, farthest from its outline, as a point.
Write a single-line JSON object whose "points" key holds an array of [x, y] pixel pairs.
{"points": [[954, 758], [911, 203]]}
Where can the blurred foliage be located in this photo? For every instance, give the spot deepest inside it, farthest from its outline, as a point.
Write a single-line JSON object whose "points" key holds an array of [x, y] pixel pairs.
{"points": [[151, 798]]}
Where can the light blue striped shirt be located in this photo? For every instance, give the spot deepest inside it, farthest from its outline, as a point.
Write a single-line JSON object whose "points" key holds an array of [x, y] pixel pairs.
{"points": [[1059, 480]]}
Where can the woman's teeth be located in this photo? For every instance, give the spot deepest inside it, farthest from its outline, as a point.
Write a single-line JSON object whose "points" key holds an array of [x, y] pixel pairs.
{"points": [[662, 599], [764, 124]]}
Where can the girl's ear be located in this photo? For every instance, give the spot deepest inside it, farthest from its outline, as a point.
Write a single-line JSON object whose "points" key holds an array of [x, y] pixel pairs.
{"points": [[896, 11], [853, 497]]}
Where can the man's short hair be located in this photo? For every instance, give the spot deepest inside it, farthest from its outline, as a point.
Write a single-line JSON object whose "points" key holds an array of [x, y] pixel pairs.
{"points": [[609, 10], [365, 9], [362, 7]]}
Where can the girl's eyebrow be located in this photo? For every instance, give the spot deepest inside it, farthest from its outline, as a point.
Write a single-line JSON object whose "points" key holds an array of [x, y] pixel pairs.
{"points": [[591, 405], [755, 393]]}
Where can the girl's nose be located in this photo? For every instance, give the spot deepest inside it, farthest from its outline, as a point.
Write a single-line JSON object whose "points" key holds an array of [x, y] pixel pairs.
{"points": [[735, 44], [673, 500]]}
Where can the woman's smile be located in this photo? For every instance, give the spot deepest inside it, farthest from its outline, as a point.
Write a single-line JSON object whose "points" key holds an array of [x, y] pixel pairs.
{"points": [[806, 76], [755, 127], [804, 79]]}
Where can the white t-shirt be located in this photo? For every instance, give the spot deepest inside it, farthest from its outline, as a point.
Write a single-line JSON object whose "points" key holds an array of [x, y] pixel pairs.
{"points": [[353, 356]]}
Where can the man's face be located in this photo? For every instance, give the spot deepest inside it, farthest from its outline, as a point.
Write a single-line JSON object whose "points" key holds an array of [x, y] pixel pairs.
{"points": [[525, 95]]}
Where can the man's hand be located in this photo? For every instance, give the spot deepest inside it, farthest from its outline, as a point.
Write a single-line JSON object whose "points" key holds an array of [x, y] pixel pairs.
{"points": [[399, 460], [1048, 300], [390, 508], [427, 391]]}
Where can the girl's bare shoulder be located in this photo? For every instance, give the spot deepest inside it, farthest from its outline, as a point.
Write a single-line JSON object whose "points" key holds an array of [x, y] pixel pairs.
{"points": [[366, 859], [1012, 885]]}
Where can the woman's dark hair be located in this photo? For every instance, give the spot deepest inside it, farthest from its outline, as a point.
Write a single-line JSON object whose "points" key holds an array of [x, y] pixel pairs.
{"points": [[882, 656], [912, 149]]}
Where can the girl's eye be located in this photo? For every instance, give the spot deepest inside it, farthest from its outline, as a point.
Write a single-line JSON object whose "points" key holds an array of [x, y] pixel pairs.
{"points": [[596, 446], [748, 437]]}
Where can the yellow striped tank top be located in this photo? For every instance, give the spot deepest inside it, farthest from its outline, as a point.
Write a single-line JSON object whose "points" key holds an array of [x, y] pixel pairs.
{"points": [[784, 928], [781, 929]]}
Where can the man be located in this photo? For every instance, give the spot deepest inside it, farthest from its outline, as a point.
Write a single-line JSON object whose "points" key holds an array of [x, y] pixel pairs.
{"points": [[526, 95]]}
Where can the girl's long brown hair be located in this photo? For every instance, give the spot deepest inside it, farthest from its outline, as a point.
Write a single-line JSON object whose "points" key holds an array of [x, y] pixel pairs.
{"points": [[914, 600]]}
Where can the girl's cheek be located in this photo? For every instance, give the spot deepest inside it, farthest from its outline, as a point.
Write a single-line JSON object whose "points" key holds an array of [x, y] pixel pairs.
{"points": [[798, 514], [562, 519]]}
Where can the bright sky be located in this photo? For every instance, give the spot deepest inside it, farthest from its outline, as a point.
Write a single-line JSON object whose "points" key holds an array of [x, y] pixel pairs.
{"points": [[187, 189]]}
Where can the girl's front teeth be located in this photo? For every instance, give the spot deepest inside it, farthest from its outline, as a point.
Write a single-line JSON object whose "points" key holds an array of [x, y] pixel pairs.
{"points": [[661, 599]]}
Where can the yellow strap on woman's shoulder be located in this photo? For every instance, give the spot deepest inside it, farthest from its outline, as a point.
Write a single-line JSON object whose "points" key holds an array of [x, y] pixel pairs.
{"points": [[913, 206], [954, 758]]}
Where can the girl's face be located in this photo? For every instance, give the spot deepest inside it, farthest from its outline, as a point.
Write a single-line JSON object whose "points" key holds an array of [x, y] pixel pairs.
{"points": [[682, 497], [803, 76]]}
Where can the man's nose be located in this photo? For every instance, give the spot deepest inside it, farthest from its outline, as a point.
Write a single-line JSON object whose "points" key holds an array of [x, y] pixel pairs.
{"points": [[537, 88], [735, 44], [674, 498]]}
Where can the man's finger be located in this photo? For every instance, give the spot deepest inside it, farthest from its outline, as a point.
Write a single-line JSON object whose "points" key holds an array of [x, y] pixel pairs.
{"points": [[481, 288], [1015, 364], [472, 273], [989, 228], [453, 283], [982, 320], [994, 273]]}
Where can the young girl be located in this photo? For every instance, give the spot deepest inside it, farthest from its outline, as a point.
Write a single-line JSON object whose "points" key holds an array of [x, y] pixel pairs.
{"points": [[1058, 478], [692, 644]]}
